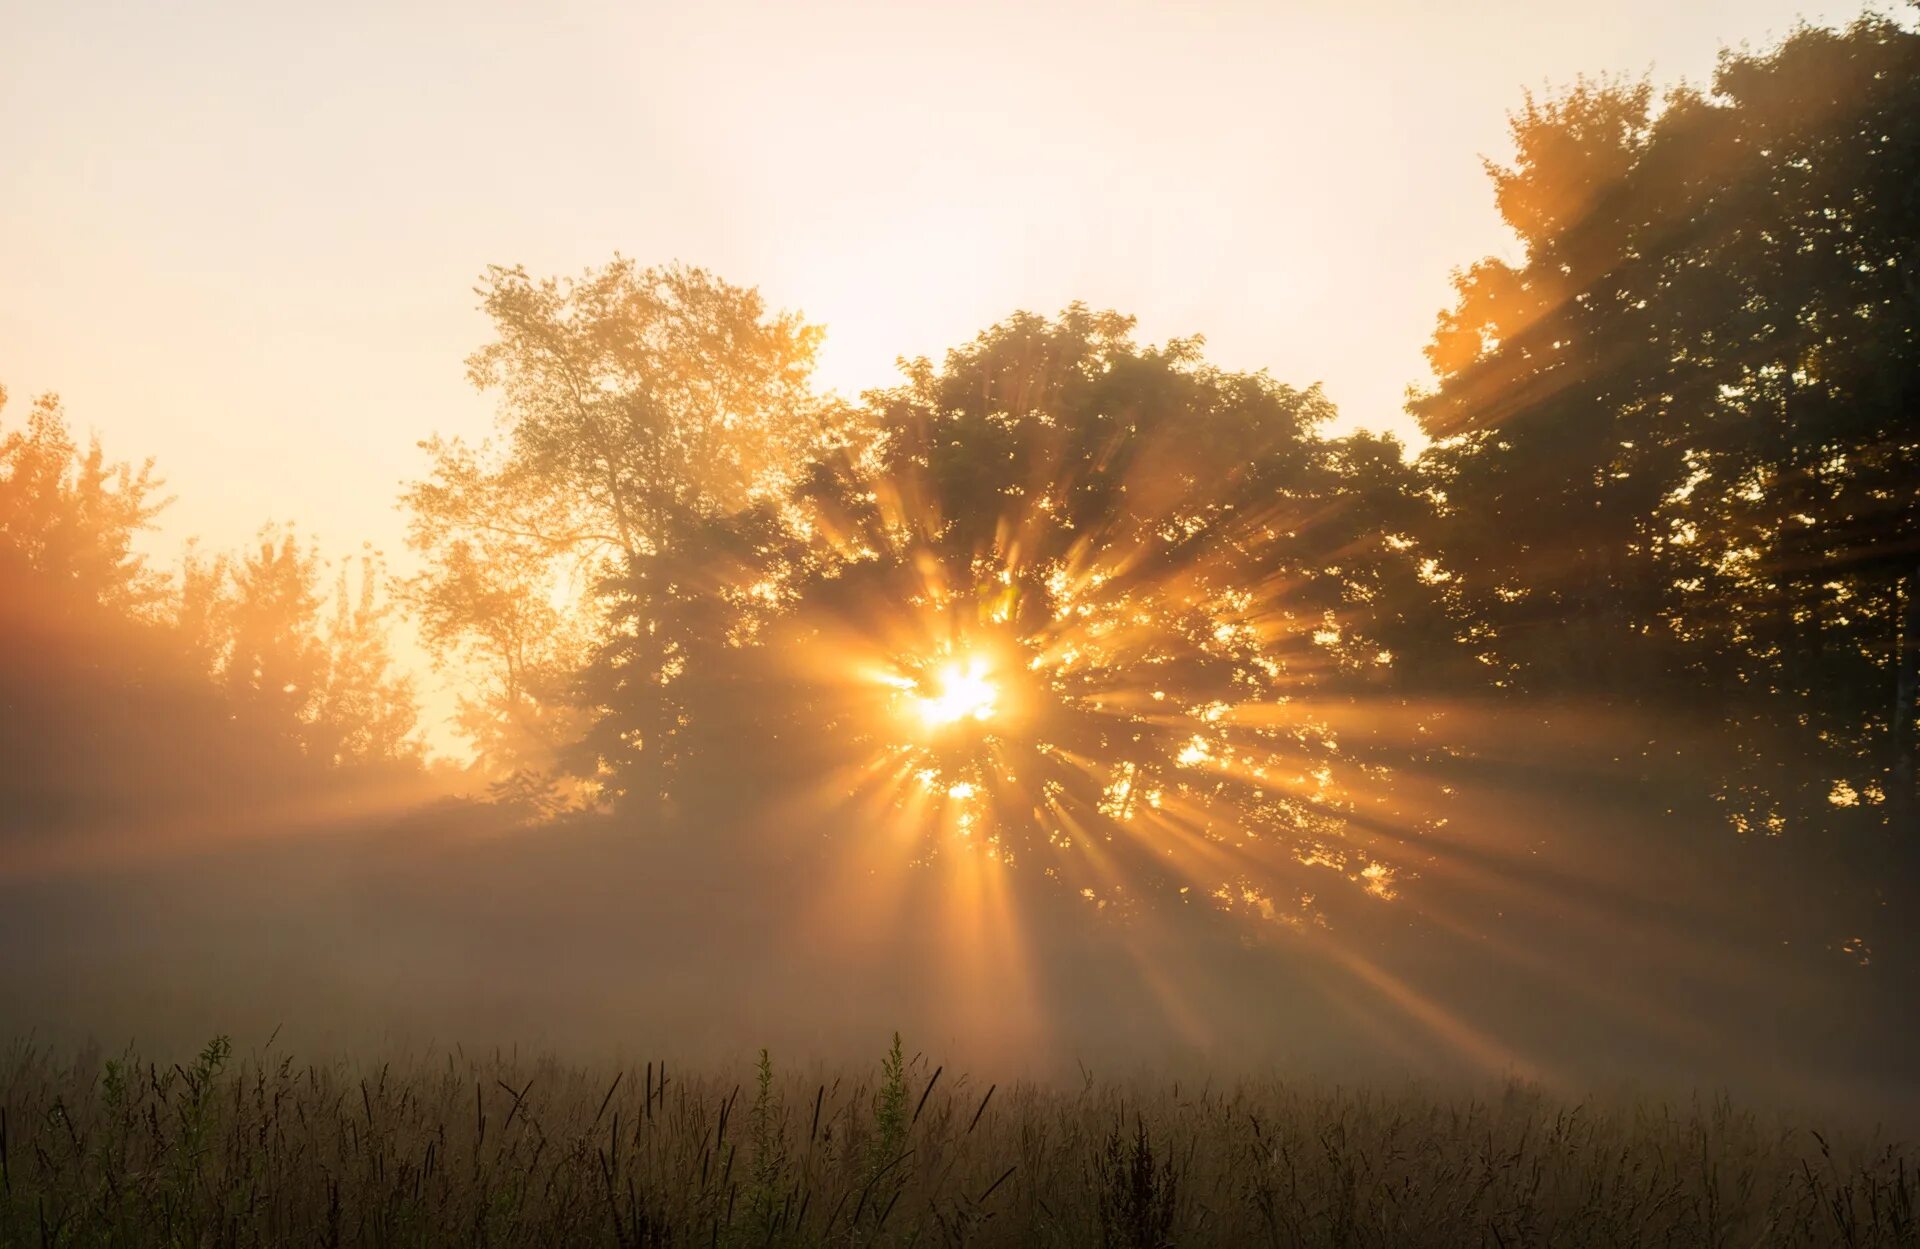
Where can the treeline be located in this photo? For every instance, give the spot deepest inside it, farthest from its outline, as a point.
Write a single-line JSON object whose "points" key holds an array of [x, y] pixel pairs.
{"points": [[1666, 534], [1654, 578], [135, 696]]}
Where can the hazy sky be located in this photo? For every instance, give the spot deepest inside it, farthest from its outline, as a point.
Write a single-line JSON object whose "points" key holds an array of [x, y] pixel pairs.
{"points": [[243, 236]]}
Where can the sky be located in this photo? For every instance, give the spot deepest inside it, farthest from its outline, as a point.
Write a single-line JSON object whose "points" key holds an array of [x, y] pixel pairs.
{"points": [[243, 237]]}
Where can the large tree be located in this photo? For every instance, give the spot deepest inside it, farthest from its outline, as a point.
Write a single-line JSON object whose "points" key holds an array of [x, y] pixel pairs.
{"points": [[634, 402], [1082, 602], [1676, 442]]}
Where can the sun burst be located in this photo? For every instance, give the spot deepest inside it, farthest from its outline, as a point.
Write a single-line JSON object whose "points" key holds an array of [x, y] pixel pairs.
{"points": [[961, 690]]}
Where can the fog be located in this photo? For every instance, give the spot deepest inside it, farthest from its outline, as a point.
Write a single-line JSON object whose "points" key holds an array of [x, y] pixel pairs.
{"points": [[1073, 703]]}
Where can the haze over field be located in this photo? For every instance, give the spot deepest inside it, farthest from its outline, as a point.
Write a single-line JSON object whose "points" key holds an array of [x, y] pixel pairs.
{"points": [[694, 555]]}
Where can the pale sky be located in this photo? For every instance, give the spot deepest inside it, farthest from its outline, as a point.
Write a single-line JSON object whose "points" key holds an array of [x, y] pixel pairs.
{"points": [[243, 236]]}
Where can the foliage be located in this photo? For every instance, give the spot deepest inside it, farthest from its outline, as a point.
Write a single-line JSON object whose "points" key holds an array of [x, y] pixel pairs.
{"points": [[1175, 578], [889, 1111], [125, 686], [633, 401], [69, 517], [1670, 498], [767, 1132], [1675, 442]]}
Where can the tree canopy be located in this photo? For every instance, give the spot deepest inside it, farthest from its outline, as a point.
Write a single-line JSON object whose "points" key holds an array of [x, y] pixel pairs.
{"points": [[1066, 599], [1676, 443]]}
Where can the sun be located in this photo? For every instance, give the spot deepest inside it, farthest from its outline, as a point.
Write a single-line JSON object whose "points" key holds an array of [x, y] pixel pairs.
{"points": [[961, 690]]}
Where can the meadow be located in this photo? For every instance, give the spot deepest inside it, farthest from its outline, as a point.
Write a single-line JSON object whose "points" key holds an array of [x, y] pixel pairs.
{"points": [[504, 1149]]}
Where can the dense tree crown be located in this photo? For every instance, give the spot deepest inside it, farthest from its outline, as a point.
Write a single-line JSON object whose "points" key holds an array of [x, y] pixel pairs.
{"points": [[1065, 591], [1677, 452]]}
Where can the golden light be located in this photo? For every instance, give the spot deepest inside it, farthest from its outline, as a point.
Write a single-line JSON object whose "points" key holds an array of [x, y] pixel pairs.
{"points": [[961, 691]]}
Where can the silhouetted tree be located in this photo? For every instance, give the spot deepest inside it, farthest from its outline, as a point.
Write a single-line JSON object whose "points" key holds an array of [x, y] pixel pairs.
{"points": [[1169, 579], [1676, 443]]}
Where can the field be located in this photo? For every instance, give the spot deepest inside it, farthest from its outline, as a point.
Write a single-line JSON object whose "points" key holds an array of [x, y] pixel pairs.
{"points": [[270, 1149]]}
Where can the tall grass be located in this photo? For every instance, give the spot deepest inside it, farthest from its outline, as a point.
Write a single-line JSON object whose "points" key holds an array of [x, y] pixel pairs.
{"points": [[494, 1150]]}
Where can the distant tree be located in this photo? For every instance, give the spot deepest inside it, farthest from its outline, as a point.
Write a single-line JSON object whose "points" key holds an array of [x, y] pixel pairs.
{"points": [[83, 658], [275, 662], [100, 709], [128, 695], [366, 711], [68, 517], [201, 602], [313, 668]]}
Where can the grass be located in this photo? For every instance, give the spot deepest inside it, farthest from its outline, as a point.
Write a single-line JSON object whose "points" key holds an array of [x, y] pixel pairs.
{"points": [[269, 1151]]}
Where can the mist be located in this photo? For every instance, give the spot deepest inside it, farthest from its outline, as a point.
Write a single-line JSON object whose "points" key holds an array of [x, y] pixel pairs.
{"points": [[1073, 711]]}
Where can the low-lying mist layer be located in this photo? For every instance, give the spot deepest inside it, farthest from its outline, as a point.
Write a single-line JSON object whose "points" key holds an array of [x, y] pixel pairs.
{"points": [[580, 939]]}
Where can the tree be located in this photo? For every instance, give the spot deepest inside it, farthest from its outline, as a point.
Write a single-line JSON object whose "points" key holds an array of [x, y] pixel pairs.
{"points": [[312, 668], [68, 518], [634, 401], [1675, 443], [1082, 602], [126, 695], [275, 664], [365, 712]]}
